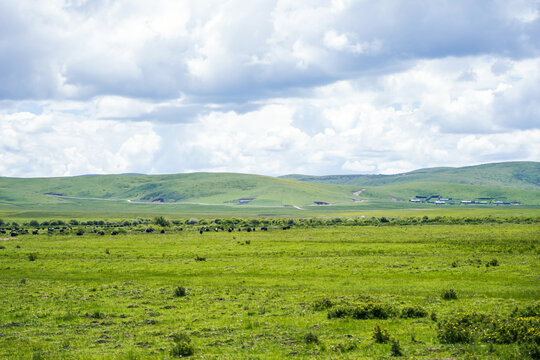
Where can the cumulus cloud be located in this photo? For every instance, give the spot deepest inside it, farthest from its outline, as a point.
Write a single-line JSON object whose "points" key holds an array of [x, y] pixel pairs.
{"points": [[267, 86]]}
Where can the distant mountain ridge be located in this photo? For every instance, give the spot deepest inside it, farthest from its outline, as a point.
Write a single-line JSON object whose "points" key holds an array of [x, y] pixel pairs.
{"points": [[523, 175]]}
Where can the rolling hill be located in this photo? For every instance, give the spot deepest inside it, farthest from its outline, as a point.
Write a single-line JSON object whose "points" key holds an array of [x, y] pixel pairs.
{"points": [[505, 182], [207, 188], [517, 175]]}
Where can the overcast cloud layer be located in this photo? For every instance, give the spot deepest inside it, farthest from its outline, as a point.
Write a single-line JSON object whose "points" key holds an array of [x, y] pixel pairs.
{"points": [[268, 87]]}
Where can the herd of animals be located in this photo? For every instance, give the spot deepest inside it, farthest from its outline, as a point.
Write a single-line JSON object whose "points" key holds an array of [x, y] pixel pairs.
{"points": [[16, 231]]}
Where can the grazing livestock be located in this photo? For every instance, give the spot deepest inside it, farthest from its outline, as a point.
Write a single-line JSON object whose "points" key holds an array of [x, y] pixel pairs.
{"points": [[201, 231], [264, 228], [162, 231], [149, 230], [2, 231], [14, 233], [248, 229], [286, 227], [35, 232], [114, 232], [216, 229], [230, 230], [101, 232]]}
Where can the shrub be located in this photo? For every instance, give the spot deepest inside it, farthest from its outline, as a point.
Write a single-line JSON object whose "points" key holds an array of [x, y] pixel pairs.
{"points": [[413, 312], [2, 247], [338, 313], [372, 311], [180, 337], [161, 221], [322, 304], [364, 311], [180, 291], [182, 349], [449, 294], [182, 345], [199, 258], [433, 316], [97, 315], [470, 327], [396, 350], [311, 338], [381, 336], [493, 262]]}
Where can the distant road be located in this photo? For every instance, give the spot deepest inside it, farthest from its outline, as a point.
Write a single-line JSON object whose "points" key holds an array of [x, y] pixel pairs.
{"points": [[166, 203]]}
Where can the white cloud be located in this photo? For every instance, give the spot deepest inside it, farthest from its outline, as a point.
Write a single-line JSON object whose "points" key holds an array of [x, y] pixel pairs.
{"points": [[265, 86]]}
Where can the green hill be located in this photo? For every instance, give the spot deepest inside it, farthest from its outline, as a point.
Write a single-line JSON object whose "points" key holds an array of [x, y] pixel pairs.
{"points": [[516, 175], [505, 182], [208, 188]]}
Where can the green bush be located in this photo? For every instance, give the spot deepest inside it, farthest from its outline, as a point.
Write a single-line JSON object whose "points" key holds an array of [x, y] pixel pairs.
{"points": [[311, 338], [381, 336], [449, 294], [182, 349], [322, 304], [182, 346], [364, 311], [180, 291], [472, 327], [413, 312], [161, 221], [396, 350], [493, 262], [372, 311], [339, 312]]}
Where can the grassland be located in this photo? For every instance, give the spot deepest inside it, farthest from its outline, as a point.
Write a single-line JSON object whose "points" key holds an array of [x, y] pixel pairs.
{"points": [[261, 295], [224, 192]]}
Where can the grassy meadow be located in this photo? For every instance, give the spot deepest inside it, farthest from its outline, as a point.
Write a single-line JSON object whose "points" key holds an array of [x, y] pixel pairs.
{"points": [[305, 293]]}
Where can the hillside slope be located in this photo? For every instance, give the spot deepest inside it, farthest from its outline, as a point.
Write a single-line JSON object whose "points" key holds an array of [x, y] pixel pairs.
{"points": [[515, 175], [210, 188]]}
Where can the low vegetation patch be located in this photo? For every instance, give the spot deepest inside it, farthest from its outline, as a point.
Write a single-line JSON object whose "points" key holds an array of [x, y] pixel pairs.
{"points": [[470, 327]]}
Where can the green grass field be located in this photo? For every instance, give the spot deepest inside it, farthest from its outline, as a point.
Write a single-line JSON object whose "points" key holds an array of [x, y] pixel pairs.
{"points": [[259, 295]]}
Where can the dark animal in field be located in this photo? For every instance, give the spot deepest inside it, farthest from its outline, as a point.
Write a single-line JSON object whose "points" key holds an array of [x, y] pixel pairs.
{"points": [[264, 228], [149, 230], [230, 230], [162, 231], [2, 231], [216, 229], [101, 232], [35, 232], [80, 232], [61, 230], [114, 232], [239, 229], [286, 227], [206, 229], [14, 233], [200, 231], [248, 230]]}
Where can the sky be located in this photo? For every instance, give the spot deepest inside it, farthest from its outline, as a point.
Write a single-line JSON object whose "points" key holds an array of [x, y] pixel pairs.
{"points": [[266, 87]]}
